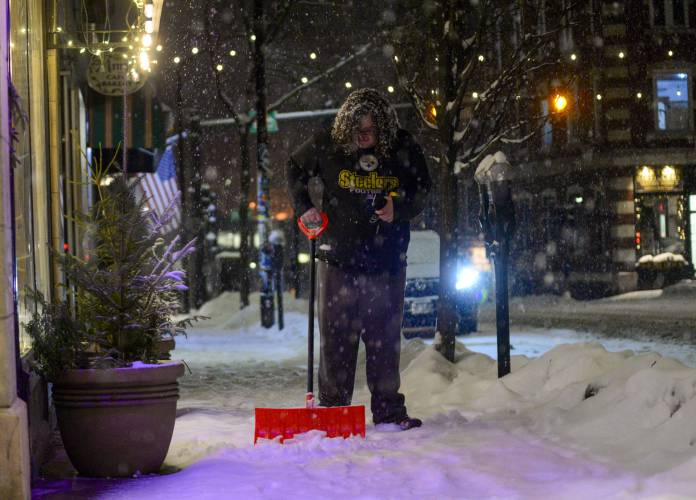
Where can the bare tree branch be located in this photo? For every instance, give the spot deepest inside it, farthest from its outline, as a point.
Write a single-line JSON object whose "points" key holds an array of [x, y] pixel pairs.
{"points": [[361, 51], [473, 156], [273, 28], [212, 48], [415, 97]]}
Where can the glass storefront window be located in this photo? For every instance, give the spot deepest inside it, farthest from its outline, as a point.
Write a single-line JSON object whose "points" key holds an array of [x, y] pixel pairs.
{"points": [[661, 223], [24, 249], [27, 45]]}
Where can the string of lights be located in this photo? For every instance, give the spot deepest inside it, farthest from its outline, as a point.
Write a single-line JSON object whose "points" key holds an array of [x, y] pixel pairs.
{"points": [[136, 44]]}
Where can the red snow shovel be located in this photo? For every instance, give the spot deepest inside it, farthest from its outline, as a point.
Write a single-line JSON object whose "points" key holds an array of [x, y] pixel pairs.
{"points": [[335, 421]]}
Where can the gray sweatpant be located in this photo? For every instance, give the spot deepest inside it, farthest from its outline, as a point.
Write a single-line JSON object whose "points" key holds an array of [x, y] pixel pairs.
{"points": [[354, 306]]}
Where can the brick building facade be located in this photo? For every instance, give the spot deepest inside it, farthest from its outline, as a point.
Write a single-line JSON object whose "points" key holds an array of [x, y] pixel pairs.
{"points": [[612, 180]]}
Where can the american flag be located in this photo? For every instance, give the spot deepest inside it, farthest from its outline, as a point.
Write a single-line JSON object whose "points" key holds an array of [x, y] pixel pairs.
{"points": [[161, 188]]}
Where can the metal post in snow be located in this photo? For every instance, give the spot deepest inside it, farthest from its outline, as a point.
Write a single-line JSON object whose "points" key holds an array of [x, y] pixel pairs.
{"points": [[278, 260], [497, 217], [502, 309], [278, 285]]}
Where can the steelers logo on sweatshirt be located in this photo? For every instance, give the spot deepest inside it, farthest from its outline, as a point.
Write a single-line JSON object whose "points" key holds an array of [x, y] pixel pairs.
{"points": [[368, 162]]}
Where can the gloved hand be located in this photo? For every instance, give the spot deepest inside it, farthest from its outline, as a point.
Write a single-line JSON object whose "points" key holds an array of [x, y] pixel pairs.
{"points": [[379, 201], [311, 218], [386, 212]]}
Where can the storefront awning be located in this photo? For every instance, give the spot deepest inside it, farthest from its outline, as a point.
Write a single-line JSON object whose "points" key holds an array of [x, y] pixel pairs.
{"points": [[145, 122]]}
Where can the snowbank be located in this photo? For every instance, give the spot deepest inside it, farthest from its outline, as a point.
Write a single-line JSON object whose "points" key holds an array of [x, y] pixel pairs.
{"points": [[225, 312], [634, 410]]}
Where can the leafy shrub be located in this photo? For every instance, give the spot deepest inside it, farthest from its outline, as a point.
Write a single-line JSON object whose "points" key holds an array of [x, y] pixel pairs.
{"points": [[126, 288]]}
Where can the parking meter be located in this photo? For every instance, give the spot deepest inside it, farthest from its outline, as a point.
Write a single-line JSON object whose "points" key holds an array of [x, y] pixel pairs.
{"points": [[266, 273], [277, 258], [497, 218]]}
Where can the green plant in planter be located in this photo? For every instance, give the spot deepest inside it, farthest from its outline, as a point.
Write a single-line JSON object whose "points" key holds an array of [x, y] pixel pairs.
{"points": [[102, 350], [126, 286]]}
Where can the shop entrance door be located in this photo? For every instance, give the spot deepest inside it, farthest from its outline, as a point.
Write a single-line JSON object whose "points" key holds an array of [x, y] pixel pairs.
{"points": [[661, 223]]}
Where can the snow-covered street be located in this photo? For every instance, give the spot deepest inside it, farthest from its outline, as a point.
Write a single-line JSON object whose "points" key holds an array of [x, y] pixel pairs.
{"points": [[579, 417]]}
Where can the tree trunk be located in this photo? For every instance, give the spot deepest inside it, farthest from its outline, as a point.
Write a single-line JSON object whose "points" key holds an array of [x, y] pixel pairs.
{"points": [[181, 175], [263, 209], [197, 278], [447, 316], [245, 186]]}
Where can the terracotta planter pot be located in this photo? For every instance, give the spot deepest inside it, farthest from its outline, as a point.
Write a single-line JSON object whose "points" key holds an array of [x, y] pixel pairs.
{"points": [[118, 422]]}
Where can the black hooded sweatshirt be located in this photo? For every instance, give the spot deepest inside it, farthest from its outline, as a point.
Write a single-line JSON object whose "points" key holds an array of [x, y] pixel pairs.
{"points": [[355, 238]]}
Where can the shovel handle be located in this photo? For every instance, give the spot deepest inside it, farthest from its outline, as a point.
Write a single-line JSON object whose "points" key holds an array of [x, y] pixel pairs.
{"points": [[310, 325], [313, 232]]}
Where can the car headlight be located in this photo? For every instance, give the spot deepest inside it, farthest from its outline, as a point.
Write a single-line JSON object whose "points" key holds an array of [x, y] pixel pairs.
{"points": [[467, 277]]}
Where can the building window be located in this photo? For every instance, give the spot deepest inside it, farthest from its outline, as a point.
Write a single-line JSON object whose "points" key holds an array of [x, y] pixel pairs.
{"points": [[670, 13], [547, 130], [673, 96]]}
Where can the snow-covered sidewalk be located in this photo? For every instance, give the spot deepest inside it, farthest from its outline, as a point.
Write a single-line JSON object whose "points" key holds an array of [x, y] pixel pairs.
{"points": [[572, 420]]}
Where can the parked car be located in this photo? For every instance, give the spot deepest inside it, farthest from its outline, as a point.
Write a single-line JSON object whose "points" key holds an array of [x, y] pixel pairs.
{"points": [[423, 284]]}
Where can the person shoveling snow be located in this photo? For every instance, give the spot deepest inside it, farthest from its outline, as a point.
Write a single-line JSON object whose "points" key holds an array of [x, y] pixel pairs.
{"points": [[375, 181]]}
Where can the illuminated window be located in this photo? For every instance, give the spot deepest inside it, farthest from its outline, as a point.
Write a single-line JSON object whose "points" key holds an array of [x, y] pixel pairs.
{"points": [[547, 130], [672, 103]]}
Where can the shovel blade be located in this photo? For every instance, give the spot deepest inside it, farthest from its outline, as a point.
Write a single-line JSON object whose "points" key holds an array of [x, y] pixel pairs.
{"points": [[344, 421]]}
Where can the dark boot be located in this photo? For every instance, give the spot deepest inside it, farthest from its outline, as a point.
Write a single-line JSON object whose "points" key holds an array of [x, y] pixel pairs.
{"points": [[410, 423]]}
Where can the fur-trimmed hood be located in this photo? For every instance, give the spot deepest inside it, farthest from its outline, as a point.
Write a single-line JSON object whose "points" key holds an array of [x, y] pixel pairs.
{"points": [[361, 103]]}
